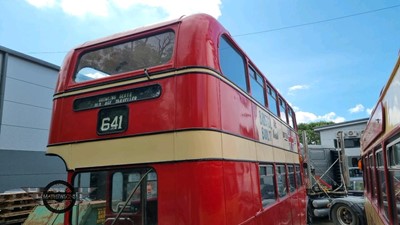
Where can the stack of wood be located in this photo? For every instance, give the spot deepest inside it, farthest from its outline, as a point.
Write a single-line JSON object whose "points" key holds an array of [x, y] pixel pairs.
{"points": [[15, 207]]}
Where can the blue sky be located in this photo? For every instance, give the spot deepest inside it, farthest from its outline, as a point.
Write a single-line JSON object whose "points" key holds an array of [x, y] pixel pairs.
{"points": [[329, 59]]}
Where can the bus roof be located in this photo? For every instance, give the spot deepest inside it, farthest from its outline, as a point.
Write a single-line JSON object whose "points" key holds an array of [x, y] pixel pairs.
{"points": [[147, 28]]}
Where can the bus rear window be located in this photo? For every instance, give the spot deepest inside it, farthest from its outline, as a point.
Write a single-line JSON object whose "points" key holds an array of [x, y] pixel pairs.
{"points": [[125, 57]]}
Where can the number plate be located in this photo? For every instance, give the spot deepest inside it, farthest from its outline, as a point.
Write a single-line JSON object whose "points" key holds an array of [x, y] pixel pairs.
{"points": [[112, 120]]}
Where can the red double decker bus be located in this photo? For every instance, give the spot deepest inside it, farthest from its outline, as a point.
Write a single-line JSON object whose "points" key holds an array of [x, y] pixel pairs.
{"points": [[174, 124], [380, 150]]}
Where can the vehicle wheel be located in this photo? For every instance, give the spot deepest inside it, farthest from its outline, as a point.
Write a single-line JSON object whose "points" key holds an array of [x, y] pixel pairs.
{"points": [[342, 214]]}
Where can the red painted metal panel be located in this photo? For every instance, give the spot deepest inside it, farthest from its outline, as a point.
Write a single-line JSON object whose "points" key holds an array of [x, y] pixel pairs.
{"points": [[197, 102], [236, 112], [218, 192], [199, 193], [198, 42], [153, 115], [239, 188]]}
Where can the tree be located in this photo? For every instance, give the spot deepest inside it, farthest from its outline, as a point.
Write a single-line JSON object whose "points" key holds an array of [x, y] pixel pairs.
{"points": [[312, 136]]}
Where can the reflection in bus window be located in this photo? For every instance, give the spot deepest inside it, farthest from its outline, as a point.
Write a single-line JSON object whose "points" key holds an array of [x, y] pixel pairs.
{"points": [[292, 183], [91, 185], [272, 100], [282, 184], [374, 191], [282, 110], [267, 186], [257, 86], [394, 176], [138, 197], [383, 200], [232, 64], [395, 187], [367, 185], [290, 117], [394, 156], [129, 56], [298, 176], [91, 191]]}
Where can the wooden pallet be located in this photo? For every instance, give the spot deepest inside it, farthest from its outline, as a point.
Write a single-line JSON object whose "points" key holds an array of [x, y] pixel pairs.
{"points": [[15, 207]]}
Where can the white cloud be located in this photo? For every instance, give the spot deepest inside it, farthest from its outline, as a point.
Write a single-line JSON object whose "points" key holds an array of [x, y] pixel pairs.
{"points": [[81, 8], [296, 88], [41, 3], [356, 109], [102, 8], [307, 117]]}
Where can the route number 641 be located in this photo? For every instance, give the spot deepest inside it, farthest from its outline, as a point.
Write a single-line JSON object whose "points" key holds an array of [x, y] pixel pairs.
{"points": [[110, 124], [112, 120]]}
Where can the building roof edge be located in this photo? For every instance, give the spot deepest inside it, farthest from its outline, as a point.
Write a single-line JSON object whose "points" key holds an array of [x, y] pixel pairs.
{"points": [[29, 58], [343, 124]]}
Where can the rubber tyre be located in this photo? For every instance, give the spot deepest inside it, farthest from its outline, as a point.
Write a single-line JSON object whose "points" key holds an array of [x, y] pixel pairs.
{"points": [[342, 214]]}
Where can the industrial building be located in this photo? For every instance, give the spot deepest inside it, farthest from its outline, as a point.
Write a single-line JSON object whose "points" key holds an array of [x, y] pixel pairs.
{"points": [[352, 131], [26, 90]]}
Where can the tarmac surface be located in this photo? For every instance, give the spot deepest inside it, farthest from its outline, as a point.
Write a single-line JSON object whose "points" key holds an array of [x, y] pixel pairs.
{"points": [[322, 221]]}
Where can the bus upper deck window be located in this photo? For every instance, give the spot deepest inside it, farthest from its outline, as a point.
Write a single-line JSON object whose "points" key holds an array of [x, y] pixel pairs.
{"points": [[272, 100], [125, 57], [232, 63]]}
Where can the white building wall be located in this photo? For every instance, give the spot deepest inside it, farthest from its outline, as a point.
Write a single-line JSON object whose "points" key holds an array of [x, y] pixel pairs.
{"points": [[27, 105], [328, 136], [26, 92]]}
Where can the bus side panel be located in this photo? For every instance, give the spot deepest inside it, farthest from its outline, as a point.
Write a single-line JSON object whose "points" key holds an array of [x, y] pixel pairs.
{"points": [[284, 212], [287, 211], [270, 215], [371, 213], [168, 189], [236, 112], [240, 187], [302, 205], [143, 116], [193, 192], [298, 207], [197, 102]]}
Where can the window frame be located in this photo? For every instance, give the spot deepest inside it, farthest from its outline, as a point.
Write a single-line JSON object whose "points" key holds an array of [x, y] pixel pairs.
{"points": [[392, 169], [374, 189], [367, 177], [282, 105], [291, 118], [272, 94], [108, 189], [267, 203], [285, 180], [291, 172], [233, 77], [299, 180], [257, 79]]}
